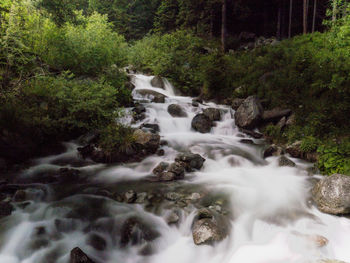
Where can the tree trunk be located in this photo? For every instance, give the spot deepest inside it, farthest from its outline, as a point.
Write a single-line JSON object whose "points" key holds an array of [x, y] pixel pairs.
{"points": [[212, 23], [290, 18], [224, 26], [305, 17], [314, 16], [279, 18], [334, 16]]}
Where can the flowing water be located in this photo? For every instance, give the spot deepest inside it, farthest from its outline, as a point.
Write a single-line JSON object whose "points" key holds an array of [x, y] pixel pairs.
{"points": [[269, 207]]}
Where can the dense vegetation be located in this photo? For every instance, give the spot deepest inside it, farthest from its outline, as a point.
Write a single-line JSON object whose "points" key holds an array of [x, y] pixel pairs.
{"points": [[61, 66]]}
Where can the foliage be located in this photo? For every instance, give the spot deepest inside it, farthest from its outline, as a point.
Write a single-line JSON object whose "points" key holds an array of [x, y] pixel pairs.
{"points": [[309, 144], [116, 137], [335, 157]]}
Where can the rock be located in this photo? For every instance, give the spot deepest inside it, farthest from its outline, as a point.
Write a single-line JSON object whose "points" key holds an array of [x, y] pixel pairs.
{"points": [[198, 100], [129, 85], [273, 150], [253, 134], [201, 123], [153, 128], [236, 103], [157, 82], [319, 241], [5, 209], [20, 196], [195, 104], [281, 123], [139, 117], [291, 120], [194, 197], [275, 114], [192, 161], [294, 150], [146, 141], [153, 95], [176, 110], [213, 114], [284, 161], [178, 169], [139, 109], [78, 256], [160, 152], [247, 141], [160, 169], [332, 194], [173, 218], [135, 231], [163, 143], [249, 113], [173, 196], [141, 198], [97, 242], [130, 196]]}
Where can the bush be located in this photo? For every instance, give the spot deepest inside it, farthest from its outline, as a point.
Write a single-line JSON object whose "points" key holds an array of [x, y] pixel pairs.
{"points": [[309, 144]]}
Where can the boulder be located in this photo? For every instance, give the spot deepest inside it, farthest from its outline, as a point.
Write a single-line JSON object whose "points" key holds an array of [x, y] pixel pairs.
{"points": [[130, 196], [248, 115], [291, 120], [5, 209], [195, 104], [294, 150], [253, 134], [273, 150], [138, 109], [158, 82], [201, 123], [332, 194], [246, 141], [169, 172], [153, 95], [191, 160], [175, 110], [146, 141], [275, 114], [172, 218], [97, 242], [153, 128], [284, 161], [209, 227], [160, 169], [78, 256], [135, 231], [178, 169], [236, 103], [213, 114]]}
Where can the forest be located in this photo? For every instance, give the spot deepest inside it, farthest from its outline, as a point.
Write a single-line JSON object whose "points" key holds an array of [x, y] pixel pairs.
{"points": [[78, 72]]}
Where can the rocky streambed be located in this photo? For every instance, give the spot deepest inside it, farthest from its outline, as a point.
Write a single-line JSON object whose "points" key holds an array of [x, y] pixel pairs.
{"points": [[198, 184]]}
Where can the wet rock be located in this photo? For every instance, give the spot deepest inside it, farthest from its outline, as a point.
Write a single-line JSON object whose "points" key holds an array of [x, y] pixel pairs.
{"points": [[160, 168], [141, 198], [236, 103], [177, 168], [90, 137], [253, 134], [284, 161], [176, 110], [139, 109], [191, 160], [5, 209], [139, 117], [78, 256], [282, 123], [201, 123], [146, 141], [153, 128], [294, 150], [169, 172], [332, 194], [68, 175], [153, 95], [273, 150], [173, 218], [130, 196], [198, 100], [20, 196], [291, 120], [163, 143], [209, 227], [158, 82], [213, 114], [249, 114], [275, 114], [173, 196], [160, 152], [247, 141], [194, 197], [135, 231], [195, 104], [97, 242]]}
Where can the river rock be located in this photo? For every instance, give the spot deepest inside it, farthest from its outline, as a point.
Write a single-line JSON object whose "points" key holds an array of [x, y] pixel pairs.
{"points": [[273, 150], [153, 95], [191, 160], [175, 110], [284, 161], [236, 103], [146, 141], [97, 242], [249, 114], [20, 196], [332, 194], [275, 114], [178, 169], [5, 209], [153, 128], [213, 114], [201, 123], [130, 196], [78, 256], [209, 227], [160, 169], [135, 231], [253, 134], [158, 82], [139, 109], [172, 218], [294, 150], [195, 104]]}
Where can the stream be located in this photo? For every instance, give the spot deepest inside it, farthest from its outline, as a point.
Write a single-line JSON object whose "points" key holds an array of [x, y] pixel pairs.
{"points": [[268, 207]]}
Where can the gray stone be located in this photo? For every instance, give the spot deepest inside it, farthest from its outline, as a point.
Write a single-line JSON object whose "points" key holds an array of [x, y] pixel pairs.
{"points": [[130, 196], [175, 110], [78, 256], [249, 113], [275, 114], [191, 160], [153, 95], [201, 123], [236, 103], [332, 194], [158, 82], [284, 161], [213, 114]]}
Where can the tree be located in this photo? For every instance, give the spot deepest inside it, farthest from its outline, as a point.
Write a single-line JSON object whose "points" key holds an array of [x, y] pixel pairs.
{"points": [[314, 16], [224, 26], [290, 18], [305, 8]]}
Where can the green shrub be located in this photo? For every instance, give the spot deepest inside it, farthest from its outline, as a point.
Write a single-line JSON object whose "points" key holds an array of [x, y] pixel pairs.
{"points": [[309, 144]]}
